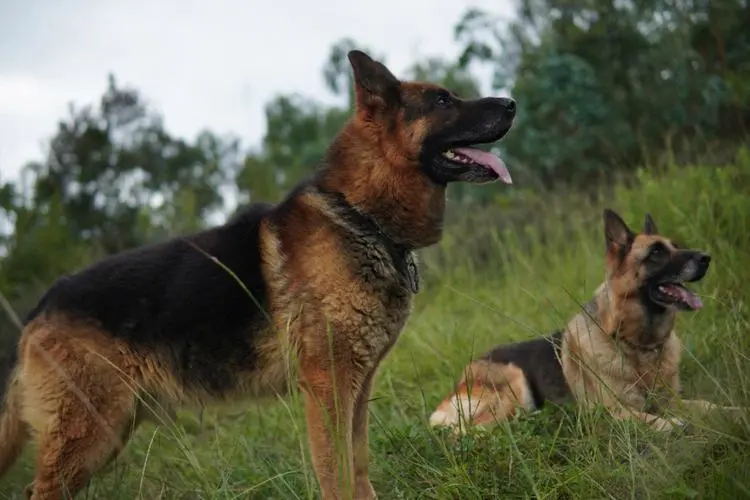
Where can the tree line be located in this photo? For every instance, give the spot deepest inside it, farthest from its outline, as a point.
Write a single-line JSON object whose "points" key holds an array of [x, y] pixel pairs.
{"points": [[602, 87]]}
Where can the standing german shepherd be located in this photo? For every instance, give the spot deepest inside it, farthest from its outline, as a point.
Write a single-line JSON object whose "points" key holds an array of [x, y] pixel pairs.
{"points": [[322, 282], [621, 351]]}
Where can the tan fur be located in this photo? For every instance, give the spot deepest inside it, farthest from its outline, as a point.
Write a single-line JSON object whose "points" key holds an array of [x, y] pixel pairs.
{"points": [[610, 355], [408, 205], [83, 392], [338, 294], [312, 299], [487, 392], [77, 399], [600, 370], [13, 430]]}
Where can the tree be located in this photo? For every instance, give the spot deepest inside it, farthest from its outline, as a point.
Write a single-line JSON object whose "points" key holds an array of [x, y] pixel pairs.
{"points": [[298, 132], [113, 179], [602, 84]]}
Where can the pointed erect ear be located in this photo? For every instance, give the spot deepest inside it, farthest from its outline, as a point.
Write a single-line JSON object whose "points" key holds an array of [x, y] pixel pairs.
{"points": [[616, 232], [374, 84], [649, 226]]}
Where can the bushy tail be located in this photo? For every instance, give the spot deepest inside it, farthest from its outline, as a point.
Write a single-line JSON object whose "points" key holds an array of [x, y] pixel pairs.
{"points": [[13, 431]]}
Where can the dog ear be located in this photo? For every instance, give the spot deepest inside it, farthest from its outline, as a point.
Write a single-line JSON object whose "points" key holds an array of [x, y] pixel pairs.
{"points": [[649, 226], [374, 84], [616, 232]]}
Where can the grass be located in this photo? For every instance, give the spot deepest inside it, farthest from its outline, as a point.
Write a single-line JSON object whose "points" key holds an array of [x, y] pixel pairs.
{"points": [[494, 279]]}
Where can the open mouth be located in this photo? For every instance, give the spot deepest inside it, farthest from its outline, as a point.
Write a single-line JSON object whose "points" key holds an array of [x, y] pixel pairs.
{"points": [[476, 158], [676, 295]]}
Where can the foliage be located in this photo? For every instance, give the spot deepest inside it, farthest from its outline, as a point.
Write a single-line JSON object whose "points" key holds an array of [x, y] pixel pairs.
{"points": [[112, 178], [600, 85]]}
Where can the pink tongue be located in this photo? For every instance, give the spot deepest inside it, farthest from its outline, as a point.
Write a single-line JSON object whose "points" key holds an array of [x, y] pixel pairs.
{"points": [[488, 160], [687, 296], [693, 300]]}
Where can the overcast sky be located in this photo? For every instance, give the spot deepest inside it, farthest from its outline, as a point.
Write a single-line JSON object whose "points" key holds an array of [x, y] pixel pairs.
{"points": [[199, 63]]}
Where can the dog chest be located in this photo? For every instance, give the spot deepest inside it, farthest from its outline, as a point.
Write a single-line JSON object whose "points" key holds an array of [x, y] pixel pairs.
{"points": [[369, 321]]}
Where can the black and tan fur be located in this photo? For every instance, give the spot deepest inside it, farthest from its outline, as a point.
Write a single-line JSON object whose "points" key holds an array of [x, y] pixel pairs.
{"points": [[312, 292], [621, 351]]}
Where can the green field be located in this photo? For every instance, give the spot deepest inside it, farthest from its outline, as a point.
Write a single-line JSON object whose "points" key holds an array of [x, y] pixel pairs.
{"points": [[511, 272]]}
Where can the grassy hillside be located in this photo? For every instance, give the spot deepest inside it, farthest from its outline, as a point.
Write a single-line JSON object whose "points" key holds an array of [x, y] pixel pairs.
{"points": [[508, 274]]}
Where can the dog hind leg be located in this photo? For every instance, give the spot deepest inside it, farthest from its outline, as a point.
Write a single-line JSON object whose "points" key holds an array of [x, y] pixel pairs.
{"points": [[488, 393], [79, 441], [703, 407], [13, 430], [79, 405]]}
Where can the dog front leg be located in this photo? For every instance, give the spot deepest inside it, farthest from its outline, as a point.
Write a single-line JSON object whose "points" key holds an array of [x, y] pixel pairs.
{"points": [[329, 408], [656, 422], [363, 487], [702, 407]]}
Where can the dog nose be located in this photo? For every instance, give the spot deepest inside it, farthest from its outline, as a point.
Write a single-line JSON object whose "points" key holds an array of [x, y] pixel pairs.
{"points": [[704, 259], [510, 105]]}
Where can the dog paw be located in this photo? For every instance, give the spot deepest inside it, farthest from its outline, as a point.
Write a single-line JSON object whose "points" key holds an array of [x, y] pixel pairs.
{"points": [[680, 425], [734, 412], [365, 491], [440, 418], [668, 424]]}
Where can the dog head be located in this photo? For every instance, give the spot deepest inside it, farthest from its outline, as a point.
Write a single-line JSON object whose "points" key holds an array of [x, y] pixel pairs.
{"points": [[422, 125], [652, 267]]}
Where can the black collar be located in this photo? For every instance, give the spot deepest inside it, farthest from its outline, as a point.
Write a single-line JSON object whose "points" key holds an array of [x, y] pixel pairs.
{"points": [[648, 348], [402, 255]]}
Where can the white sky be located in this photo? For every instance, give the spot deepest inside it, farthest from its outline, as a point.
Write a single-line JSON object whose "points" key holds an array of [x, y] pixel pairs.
{"points": [[199, 63]]}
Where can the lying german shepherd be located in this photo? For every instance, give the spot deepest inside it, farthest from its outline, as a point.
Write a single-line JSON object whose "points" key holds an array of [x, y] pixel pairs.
{"points": [[322, 282], [621, 351]]}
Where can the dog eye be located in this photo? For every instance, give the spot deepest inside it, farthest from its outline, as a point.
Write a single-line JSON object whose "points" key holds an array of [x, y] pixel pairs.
{"points": [[444, 99], [656, 252]]}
